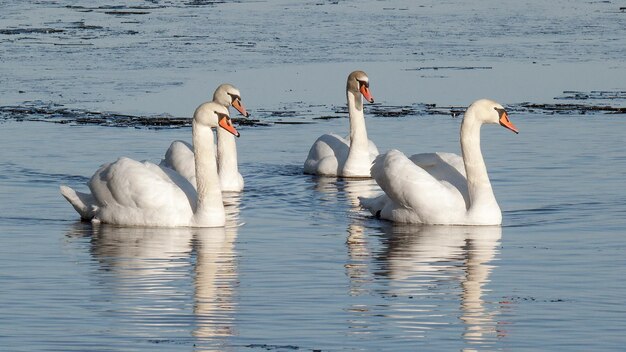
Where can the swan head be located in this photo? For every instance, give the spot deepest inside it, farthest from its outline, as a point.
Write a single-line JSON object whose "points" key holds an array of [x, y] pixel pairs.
{"points": [[358, 82], [214, 115], [227, 95], [488, 111]]}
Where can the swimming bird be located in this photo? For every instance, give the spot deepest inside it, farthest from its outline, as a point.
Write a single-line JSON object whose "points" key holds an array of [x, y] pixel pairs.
{"points": [[179, 156], [441, 188], [332, 155], [132, 193]]}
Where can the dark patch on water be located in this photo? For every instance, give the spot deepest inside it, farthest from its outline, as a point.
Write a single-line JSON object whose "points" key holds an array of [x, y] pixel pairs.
{"points": [[58, 114], [16, 31], [456, 68], [593, 95], [272, 347], [112, 7], [169, 341], [327, 117], [83, 26], [281, 122], [204, 2], [531, 299], [126, 13], [570, 109], [243, 121], [279, 113], [393, 111]]}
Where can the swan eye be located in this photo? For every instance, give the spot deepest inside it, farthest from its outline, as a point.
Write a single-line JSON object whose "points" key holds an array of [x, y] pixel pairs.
{"points": [[221, 116], [500, 112], [234, 97], [363, 83]]}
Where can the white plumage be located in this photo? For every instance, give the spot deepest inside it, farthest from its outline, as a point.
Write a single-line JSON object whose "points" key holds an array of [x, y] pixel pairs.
{"points": [[332, 155], [132, 193], [179, 155], [441, 188]]}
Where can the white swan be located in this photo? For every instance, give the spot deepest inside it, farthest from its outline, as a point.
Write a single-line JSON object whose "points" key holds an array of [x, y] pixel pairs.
{"points": [[179, 156], [332, 155], [441, 188], [132, 193]]}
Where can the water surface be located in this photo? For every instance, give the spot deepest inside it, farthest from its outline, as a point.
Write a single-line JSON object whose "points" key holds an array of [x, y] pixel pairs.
{"points": [[299, 265]]}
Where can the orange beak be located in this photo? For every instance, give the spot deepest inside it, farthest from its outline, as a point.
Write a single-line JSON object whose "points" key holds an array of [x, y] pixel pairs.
{"points": [[227, 124], [366, 93], [239, 106], [504, 121]]}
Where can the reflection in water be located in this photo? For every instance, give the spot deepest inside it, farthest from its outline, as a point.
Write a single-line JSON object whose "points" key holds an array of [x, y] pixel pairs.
{"points": [[346, 190], [214, 282], [156, 283], [432, 277], [425, 265]]}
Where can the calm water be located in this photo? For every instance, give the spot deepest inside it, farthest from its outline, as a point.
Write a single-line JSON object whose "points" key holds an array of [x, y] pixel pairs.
{"points": [[300, 266]]}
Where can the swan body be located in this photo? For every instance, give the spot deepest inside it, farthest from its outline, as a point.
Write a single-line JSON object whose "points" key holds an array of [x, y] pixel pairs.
{"points": [[179, 155], [332, 155], [441, 188], [132, 193]]}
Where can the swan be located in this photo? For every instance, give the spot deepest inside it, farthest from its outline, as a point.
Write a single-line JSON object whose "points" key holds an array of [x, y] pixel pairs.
{"points": [[179, 156], [332, 155], [441, 188], [132, 193]]}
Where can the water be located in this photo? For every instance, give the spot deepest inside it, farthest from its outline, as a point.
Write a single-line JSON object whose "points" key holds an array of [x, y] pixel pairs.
{"points": [[300, 266]]}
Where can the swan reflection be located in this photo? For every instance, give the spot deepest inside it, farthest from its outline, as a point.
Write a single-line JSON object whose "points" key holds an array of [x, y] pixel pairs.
{"points": [[428, 265], [158, 277], [214, 282], [347, 191]]}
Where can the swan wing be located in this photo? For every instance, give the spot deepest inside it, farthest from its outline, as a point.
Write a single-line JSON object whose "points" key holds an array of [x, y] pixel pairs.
{"points": [[130, 192], [180, 158], [414, 195], [436, 163], [446, 168], [327, 155]]}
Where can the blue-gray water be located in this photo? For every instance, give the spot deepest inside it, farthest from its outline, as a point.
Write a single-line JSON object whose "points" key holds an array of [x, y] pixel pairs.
{"points": [[300, 266]]}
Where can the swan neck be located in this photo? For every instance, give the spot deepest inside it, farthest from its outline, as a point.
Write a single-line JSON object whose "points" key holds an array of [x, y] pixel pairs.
{"points": [[358, 132], [209, 204], [478, 184], [226, 153]]}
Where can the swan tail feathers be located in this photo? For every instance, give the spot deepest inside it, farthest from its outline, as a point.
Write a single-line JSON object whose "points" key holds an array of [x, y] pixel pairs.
{"points": [[374, 205], [83, 203]]}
